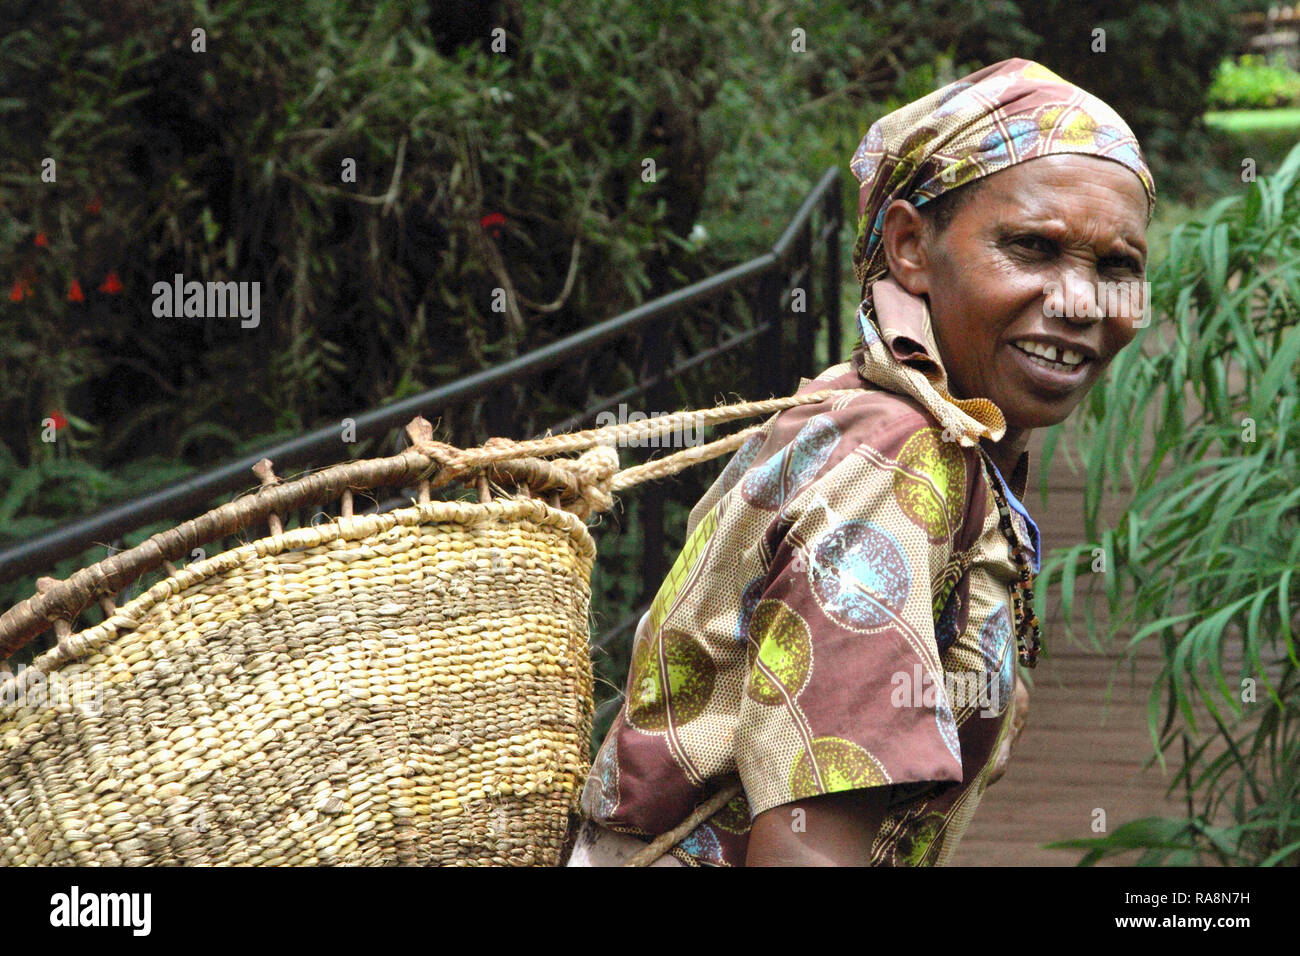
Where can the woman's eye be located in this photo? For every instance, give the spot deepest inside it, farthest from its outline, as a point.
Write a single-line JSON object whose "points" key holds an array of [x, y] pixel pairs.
{"points": [[1124, 266], [1038, 244]]}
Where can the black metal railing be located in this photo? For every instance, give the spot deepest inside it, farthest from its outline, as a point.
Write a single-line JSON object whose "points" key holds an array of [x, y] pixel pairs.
{"points": [[667, 347]]}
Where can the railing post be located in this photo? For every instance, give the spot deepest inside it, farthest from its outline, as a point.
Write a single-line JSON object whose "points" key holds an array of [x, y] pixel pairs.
{"points": [[804, 320], [500, 412], [833, 210], [770, 370]]}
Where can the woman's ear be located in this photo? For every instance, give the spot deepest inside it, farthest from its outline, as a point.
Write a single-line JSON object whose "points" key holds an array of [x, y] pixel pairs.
{"points": [[906, 240]]}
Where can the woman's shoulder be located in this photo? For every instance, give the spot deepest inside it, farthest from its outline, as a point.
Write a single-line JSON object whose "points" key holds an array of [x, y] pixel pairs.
{"points": [[847, 447], [882, 420], [866, 436]]}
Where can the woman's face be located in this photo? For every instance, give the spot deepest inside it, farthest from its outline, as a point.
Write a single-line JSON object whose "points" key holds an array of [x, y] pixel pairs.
{"points": [[1047, 256]]}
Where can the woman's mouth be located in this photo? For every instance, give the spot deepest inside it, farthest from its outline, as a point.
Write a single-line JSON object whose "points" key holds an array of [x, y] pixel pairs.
{"points": [[1050, 367]]}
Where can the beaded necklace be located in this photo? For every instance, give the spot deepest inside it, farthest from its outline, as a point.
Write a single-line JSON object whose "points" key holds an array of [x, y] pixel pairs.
{"points": [[1028, 636]]}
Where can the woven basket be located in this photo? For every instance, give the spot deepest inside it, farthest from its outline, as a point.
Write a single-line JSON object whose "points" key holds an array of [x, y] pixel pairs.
{"points": [[404, 688]]}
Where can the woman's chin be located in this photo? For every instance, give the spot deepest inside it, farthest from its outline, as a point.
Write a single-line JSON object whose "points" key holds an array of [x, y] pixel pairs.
{"points": [[1029, 414]]}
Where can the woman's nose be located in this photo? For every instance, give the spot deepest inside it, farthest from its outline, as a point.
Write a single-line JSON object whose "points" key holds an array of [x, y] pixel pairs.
{"points": [[1073, 296]]}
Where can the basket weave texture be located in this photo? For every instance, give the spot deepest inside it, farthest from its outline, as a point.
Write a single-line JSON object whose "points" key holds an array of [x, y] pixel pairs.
{"points": [[406, 688]]}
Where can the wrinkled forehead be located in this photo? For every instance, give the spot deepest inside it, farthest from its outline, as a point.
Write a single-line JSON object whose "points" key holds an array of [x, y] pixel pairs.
{"points": [[1069, 190]]}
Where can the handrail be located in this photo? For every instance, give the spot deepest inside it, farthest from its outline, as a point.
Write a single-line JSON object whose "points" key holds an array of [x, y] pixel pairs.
{"points": [[184, 497]]}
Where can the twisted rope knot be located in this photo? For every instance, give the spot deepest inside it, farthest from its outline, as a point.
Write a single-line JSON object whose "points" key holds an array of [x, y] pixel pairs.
{"points": [[594, 470], [445, 459]]}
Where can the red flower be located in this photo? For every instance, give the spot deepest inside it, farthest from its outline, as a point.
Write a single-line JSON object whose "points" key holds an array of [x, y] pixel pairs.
{"points": [[16, 292], [41, 240], [95, 205], [491, 221], [111, 284], [74, 292], [59, 421]]}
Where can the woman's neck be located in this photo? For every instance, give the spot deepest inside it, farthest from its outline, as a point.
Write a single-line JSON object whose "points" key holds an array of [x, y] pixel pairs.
{"points": [[1006, 453]]}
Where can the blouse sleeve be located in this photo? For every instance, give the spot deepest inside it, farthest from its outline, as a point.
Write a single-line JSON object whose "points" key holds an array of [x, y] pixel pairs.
{"points": [[844, 686]]}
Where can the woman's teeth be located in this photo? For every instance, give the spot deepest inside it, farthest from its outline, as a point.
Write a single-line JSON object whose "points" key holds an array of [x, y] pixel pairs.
{"points": [[1058, 358]]}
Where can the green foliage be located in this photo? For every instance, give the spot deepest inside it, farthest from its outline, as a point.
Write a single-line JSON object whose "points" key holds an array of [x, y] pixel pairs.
{"points": [[1157, 841], [1253, 82], [1159, 58], [225, 165], [1264, 137], [1200, 417]]}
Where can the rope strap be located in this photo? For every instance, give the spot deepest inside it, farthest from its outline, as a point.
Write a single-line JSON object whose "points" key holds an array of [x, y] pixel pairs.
{"points": [[588, 482]]}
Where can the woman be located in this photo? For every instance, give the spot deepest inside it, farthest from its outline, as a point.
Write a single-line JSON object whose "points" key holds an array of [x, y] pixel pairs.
{"points": [[837, 635]]}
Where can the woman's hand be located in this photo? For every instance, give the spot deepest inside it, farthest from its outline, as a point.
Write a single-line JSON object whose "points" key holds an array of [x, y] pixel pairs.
{"points": [[836, 829], [1019, 713]]}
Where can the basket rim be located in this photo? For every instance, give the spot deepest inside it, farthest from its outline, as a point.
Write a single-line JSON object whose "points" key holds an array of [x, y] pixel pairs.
{"points": [[75, 647]]}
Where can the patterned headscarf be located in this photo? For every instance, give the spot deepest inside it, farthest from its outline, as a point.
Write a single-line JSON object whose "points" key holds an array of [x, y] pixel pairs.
{"points": [[994, 118]]}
